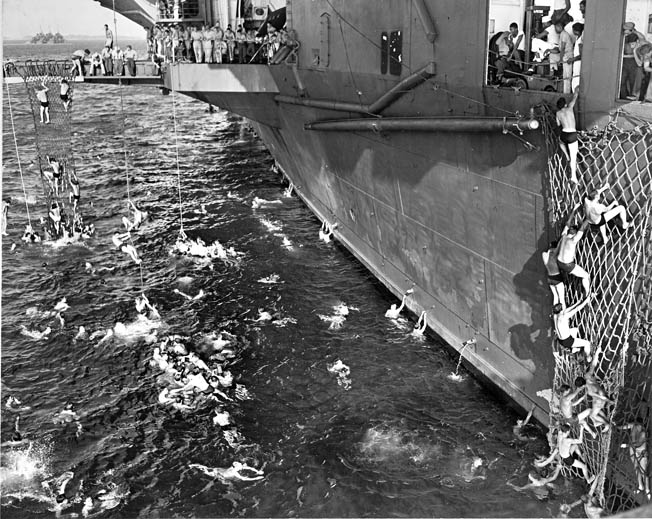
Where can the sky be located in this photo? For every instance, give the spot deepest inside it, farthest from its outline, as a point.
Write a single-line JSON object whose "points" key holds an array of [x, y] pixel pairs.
{"points": [[24, 18]]}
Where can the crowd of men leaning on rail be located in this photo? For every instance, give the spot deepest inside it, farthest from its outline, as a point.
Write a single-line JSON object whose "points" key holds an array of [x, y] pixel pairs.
{"points": [[186, 43]]}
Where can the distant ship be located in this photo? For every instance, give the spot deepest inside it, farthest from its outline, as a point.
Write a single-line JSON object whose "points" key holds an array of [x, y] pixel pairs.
{"points": [[44, 38], [444, 179]]}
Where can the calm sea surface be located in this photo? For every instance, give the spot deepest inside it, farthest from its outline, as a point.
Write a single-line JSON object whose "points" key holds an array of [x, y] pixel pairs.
{"points": [[402, 441]]}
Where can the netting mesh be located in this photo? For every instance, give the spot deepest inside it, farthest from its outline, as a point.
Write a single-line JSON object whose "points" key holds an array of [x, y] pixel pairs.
{"points": [[618, 320], [53, 140]]}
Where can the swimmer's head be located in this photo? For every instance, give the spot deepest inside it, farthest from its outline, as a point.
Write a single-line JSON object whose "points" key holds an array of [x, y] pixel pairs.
{"points": [[553, 244], [237, 465], [594, 194], [580, 382], [564, 428], [565, 389], [16, 436], [572, 230], [557, 308], [561, 103], [61, 498]]}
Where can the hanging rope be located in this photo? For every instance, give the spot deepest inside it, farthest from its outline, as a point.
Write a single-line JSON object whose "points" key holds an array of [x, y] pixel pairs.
{"points": [[176, 145], [20, 168], [124, 145]]}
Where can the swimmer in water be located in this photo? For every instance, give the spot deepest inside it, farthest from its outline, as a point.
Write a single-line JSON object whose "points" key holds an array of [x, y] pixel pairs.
{"points": [[393, 312], [61, 502], [13, 405], [29, 236], [139, 218], [421, 325], [232, 472], [17, 438], [520, 424]]}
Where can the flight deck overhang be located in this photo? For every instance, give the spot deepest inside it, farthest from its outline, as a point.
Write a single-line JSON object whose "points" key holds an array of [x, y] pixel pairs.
{"points": [[247, 90], [143, 12]]}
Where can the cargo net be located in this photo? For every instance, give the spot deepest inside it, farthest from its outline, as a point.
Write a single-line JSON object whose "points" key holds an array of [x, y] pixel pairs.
{"points": [[52, 81], [618, 320]]}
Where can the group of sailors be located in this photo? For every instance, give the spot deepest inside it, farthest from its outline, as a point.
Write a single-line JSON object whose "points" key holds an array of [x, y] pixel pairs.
{"points": [[213, 44], [561, 266], [59, 225], [557, 46]]}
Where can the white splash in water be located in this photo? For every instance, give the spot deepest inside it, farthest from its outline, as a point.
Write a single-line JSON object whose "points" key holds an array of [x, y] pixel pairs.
{"points": [[271, 226]]}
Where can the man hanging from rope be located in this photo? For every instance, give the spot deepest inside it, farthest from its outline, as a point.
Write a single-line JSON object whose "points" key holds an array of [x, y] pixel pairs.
{"points": [[42, 96], [139, 218], [570, 237], [6, 202], [118, 241], [74, 191], [55, 218], [566, 119], [598, 214]]}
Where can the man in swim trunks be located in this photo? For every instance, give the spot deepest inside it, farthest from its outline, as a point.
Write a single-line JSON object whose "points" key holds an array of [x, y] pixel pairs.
{"points": [[598, 214], [55, 217], [74, 191], [65, 94], [57, 170], [566, 120], [598, 397], [78, 59], [567, 336], [555, 279], [108, 37], [568, 452], [42, 96], [570, 237]]}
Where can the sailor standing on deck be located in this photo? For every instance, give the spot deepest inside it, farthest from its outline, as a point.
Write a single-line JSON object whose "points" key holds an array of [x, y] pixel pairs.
{"points": [[78, 58], [219, 47], [208, 35], [197, 47], [108, 37], [130, 57]]}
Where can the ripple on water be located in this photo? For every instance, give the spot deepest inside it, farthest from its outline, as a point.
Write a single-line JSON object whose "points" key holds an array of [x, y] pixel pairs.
{"points": [[403, 440]]}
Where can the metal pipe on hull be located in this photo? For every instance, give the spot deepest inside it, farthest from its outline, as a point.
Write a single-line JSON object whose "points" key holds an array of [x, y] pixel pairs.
{"points": [[427, 124], [384, 101], [426, 20], [409, 83]]}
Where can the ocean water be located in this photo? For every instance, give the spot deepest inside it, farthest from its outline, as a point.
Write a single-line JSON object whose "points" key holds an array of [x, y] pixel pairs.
{"points": [[398, 436]]}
